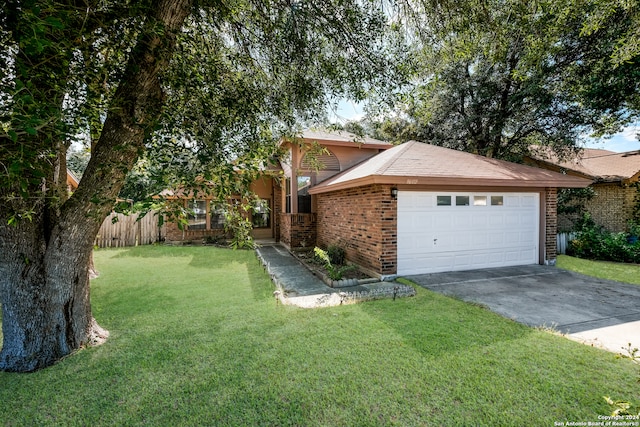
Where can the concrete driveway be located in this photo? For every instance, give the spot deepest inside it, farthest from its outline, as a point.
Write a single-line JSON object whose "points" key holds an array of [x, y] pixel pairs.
{"points": [[599, 312]]}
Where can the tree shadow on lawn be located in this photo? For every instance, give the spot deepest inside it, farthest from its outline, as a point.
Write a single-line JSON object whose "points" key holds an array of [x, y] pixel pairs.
{"points": [[435, 325], [213, 257]]}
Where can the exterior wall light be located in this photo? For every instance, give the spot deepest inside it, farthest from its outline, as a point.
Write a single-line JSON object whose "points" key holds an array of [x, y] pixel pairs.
{"points": [[394, 193]]}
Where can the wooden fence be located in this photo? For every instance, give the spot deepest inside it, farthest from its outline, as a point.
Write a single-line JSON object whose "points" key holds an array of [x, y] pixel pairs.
{"points": [[128, 231], [562, 242]]}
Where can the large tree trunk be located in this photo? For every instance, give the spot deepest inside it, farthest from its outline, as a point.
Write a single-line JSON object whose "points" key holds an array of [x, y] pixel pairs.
{"points": [[46, 310], [44, 256]]}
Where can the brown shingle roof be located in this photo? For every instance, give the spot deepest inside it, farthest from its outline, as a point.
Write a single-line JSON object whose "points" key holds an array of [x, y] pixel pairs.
{"points": [[599, 165], [424, 164], [343, 138]]}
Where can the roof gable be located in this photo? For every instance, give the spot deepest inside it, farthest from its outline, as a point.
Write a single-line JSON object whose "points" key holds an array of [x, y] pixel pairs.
{"points": [[419, 163], [342, 138]]}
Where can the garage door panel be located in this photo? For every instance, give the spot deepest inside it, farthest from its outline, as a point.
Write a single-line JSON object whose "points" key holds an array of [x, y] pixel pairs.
{"points": [[435, 238]]}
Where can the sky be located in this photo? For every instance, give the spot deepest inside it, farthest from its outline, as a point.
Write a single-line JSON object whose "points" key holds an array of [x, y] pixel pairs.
{"points": [[621, 142]]}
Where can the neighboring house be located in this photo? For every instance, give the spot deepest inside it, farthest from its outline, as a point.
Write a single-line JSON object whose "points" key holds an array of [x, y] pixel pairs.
{"points": [[414, 208], [614, 178], [72, 182]]}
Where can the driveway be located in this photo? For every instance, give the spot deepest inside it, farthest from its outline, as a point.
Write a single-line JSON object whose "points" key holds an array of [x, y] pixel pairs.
{"points": [[600, 312]]}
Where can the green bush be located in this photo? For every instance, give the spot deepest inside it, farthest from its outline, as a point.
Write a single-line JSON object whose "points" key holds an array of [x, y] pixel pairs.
{"points": [[336, 254], [335, 272], [594, 242]]}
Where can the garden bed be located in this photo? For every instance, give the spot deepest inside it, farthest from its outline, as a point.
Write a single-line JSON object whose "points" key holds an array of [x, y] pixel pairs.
{"points": [[351, 277]]}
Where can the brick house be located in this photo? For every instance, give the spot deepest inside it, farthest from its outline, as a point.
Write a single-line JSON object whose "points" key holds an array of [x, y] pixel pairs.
{"points": [[413, 208], [206, 218], [418, 208], [614, 178], [285, 211]]}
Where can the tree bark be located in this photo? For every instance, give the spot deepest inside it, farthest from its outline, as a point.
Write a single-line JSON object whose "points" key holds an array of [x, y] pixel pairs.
{"points": [[44, 259]]}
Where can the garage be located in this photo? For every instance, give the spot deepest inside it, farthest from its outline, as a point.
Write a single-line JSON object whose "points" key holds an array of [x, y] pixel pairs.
{"points": [[453, 231], [417, 208]]}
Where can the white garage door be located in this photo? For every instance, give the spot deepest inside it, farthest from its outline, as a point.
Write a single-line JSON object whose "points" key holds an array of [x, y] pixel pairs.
{"points": [[446, 231]]}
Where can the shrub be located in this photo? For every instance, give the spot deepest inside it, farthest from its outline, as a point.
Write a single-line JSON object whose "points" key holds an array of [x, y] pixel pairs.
{"points": [[593, 242], [336, 254], [335, 272], [240, 227]]}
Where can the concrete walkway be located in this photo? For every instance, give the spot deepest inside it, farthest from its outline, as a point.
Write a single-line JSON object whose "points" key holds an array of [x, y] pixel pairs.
{"points": [[598, 312], [298, 286]]}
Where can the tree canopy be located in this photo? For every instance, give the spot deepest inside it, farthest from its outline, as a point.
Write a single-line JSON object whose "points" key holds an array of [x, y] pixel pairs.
{"points": [[218, 81], [495, 77]]}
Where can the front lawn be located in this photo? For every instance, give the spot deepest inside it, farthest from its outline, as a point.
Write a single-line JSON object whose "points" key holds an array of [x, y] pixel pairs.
{"points": [[621, 272], [197, 339]]}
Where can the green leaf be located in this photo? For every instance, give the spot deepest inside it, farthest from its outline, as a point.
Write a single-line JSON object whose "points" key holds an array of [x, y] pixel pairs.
{"points": [[55, 22]]}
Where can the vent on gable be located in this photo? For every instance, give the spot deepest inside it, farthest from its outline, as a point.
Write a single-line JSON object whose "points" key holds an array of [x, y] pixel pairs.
{"points": [[325, 162]]}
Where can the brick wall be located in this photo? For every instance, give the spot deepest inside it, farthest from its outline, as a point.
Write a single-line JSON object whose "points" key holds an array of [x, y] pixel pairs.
{"points": [[551, 224], [363, 221], [612, 206], [298, 230]]}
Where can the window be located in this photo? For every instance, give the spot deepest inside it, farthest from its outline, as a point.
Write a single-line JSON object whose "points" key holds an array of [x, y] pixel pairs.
{"points": [[197, 218], [217, 212], [260, 217], [287, 192], [479, 200], [462, 200], [324, 161], [497, 200], [304, 198], [443, 200]]}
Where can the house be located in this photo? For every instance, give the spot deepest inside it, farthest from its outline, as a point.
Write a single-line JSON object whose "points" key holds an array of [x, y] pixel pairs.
{"points": [[284, 211], [72, 182], [206, 218], [614, 178], [414, 208], [302, 171], [418, 208]]}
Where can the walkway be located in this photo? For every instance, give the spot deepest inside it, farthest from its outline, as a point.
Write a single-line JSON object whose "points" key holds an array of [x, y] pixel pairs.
{"points": [[300, 287]]}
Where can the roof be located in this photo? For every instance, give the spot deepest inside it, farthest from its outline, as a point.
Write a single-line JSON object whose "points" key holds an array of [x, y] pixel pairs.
{"points": [[342, 138], [72, 180], [599, 165], [418, 163]]}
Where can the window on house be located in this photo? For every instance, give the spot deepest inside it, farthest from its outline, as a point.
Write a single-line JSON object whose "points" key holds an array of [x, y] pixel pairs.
{"points": [[217, 216], [197, 218], [497, 200], [304, 198], [261, 214], [479, 200], [443, 200], [287, 187], [462, 200], [324, 161]]}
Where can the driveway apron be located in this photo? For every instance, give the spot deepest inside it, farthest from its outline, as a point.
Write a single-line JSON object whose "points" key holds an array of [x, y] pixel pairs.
{"points": [[600, 312]]}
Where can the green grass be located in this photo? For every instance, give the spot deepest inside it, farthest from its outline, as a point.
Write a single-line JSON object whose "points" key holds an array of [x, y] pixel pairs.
{"points": [[629, 273], [197, 339]]}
